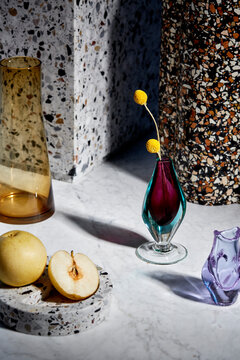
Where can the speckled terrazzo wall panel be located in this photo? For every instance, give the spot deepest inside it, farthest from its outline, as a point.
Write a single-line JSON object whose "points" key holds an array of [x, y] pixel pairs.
{"points": [[44, 29], [117, 46], [94, 55], [200, 96]]}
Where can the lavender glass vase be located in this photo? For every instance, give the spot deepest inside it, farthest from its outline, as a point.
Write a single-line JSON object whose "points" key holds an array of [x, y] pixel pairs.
{"points": [[221, 271], [164, 208]]}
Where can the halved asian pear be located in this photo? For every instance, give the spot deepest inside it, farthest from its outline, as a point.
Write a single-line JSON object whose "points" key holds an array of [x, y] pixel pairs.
{"points": [[74, 276]]}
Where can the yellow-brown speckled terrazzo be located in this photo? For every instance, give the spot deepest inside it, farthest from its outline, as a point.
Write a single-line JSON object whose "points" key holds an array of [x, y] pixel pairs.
{"points": [[199, 97]]}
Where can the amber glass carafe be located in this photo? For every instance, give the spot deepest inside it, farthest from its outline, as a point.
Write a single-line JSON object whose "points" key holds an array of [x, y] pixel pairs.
{"points": [[25, 179]]}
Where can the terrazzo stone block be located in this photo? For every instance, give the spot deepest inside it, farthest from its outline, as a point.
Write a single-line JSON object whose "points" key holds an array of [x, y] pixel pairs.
{"points": [[200, 97], [44, 29], [94, 55], [38, 309]]}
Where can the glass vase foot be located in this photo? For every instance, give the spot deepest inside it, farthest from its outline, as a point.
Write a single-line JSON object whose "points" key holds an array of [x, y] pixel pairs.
{"points": [[150, 254]]}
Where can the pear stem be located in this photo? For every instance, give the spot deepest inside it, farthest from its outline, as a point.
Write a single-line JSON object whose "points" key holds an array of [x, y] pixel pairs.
{"points": [[159, 152]]}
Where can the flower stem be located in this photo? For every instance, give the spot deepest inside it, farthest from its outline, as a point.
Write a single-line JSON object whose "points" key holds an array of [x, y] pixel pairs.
{"points": [[159, 152]]}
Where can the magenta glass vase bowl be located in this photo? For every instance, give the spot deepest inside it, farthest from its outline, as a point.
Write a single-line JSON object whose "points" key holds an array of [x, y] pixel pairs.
{"points": [[164, 208]]}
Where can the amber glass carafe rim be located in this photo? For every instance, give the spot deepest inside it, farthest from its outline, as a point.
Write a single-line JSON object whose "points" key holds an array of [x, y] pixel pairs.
{"points": [[31, 62]]}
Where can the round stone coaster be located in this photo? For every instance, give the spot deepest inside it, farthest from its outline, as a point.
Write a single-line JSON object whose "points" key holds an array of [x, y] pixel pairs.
{"points": [[38, 309]]}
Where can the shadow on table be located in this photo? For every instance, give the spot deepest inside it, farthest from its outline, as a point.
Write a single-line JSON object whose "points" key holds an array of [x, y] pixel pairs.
{"points": [[187, 287], [135, 159], [107, 232], [3, 326]]}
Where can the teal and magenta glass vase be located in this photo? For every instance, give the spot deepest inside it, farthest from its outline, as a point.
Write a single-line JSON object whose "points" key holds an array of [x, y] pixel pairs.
{"points": [[221, 271], [164, 208]]}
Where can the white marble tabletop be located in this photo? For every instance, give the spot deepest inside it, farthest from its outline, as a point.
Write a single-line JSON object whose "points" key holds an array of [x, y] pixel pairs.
{"points": [[157, 312]]}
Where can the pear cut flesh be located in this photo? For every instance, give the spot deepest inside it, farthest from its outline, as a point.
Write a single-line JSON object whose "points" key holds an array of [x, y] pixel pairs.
{"points": [[74, 276]]}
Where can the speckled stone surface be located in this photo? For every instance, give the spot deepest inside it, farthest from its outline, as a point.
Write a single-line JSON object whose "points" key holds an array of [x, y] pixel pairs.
{"points": [[38, 309], [94, 55], [200, 97]]}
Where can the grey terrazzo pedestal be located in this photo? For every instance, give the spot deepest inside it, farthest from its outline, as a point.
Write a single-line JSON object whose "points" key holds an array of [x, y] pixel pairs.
{"points": [[38, 309], [94, 55]]}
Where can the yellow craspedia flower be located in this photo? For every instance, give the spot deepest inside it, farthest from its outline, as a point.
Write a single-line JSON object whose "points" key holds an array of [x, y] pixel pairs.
{"points": [[153, 146], [140, 97]]}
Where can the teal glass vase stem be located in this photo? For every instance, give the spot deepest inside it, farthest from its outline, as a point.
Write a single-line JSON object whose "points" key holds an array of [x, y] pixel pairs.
{"points": [[164, 208]]}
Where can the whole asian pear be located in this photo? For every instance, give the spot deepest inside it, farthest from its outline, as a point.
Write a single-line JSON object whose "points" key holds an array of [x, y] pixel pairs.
{"points": [[23, 258]]}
